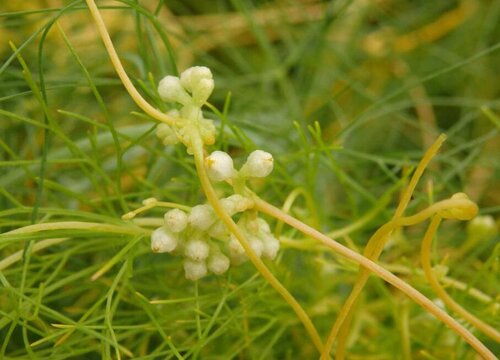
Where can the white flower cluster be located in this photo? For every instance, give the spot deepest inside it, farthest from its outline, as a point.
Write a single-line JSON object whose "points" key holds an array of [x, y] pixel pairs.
{"points": [[220, 165], [204, 241], [191, 90]]}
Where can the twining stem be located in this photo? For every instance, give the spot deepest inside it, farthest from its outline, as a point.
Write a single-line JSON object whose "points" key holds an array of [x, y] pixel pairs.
{"points": [[134, 94], [257, 262], [425, 258], [371, 266], [269, 209], [372, 251]]}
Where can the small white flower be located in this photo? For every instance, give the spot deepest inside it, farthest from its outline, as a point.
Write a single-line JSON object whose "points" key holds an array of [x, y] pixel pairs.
{"points": [[198, 80], [271, 246], [218, 231], [263, 226], [202, 217], [236, 203], [176, 220], [194, 270], [171, 90], [256, 245], [163, 241], [218, 263], [219, 166], [259, 164], [197, 249], [235, 247], [166, 134]]}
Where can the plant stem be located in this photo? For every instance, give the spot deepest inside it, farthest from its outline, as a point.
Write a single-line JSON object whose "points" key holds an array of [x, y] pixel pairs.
{"points": [[134, 94], [257, 262], [411, 292], [425, 258]]}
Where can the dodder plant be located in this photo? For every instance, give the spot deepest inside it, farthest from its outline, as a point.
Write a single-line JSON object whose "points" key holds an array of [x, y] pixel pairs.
{"points": [[230, 230]]}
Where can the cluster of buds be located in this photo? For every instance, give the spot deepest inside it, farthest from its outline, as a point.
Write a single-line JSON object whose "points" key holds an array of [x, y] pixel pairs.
{"points": [[220, 166], [204, 241], [191, 91]]}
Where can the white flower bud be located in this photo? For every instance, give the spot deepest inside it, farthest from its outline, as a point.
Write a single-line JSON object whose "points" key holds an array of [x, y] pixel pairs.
{"points": [[219, 166], [176, 220], [202, 217], [256, 245], [197, 249], [235, 247], [198, 80], [259, 164], [263, 226], [271, 247], [218, 263], [171, 90], [166, 134], [236, 203], [163, 241], [218, 231], [194, 270]]}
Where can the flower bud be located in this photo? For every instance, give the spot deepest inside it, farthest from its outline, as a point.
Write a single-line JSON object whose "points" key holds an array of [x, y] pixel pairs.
{"points": [[171, 90], [197, 249], [235, 247], [176, 220], [166, 134], [219, 166], [218, 263], [163, 241], [256, 245], [218, 231], [259, 164], [198, 80], [271, 246], [202, 217], [194, 270], [482, 227], [236, 204]]}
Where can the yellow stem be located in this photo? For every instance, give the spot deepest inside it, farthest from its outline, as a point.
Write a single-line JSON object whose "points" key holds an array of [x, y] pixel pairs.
{"points": [[411, 292], [77, 225], [257, 262], [425, 257], [373, 250], [134, 94]]}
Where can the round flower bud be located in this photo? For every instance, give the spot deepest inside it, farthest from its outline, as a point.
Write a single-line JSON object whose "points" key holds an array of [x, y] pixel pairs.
{"points": [[176, 220], [171, 90], [194, 270], [259, 164], [236, 203], [219, 166], [271, 247], [263, 226], [163, 241], [235, 247], [197, 249], [256, 245], [202, 217], [198, 80], [218, 231], [218, 263], [481, 227], [166, 134]]}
